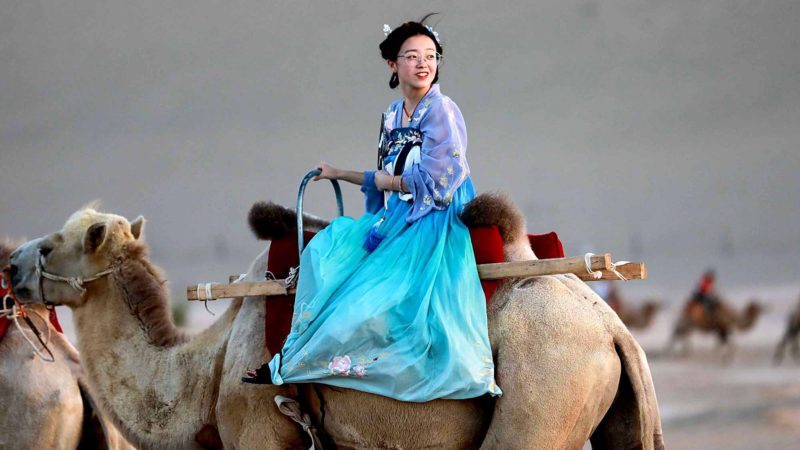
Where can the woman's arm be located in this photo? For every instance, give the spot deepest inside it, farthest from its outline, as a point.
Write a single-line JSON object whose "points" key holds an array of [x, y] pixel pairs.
{"points": [[383, 181], [442, 166]]}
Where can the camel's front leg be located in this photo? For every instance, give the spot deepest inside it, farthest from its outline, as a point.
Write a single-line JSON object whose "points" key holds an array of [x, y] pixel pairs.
{"points": [[777, 358], [795, 347]]}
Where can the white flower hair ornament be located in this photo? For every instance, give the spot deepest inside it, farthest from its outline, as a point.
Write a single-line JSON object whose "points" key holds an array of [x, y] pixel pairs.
{"points": [[387, 30], [434, 33]]}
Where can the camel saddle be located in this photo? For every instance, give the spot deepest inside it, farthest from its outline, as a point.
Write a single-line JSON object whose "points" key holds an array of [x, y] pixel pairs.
{"points": [[486, 243]]}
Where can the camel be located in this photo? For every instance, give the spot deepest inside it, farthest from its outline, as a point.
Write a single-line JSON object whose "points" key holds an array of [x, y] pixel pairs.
{"points": [[637, 319], [790, 338], [46, 405], [632, 318], [569, 368], [723, 323]]}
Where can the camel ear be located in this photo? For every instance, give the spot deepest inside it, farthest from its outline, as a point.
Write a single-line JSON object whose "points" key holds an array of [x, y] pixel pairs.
{"points": [[137, 227], [94, 238]]}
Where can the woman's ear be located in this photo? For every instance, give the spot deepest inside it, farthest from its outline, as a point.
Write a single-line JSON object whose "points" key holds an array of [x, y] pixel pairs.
{"points": [[392, 65]]}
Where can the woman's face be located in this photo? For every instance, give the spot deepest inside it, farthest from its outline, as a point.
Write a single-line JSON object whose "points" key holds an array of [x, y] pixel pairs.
{"points": [[416, 63]]}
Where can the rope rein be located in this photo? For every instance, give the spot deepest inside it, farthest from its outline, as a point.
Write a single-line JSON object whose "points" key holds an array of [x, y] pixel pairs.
{"points": [[76, 282], [15, 311]]}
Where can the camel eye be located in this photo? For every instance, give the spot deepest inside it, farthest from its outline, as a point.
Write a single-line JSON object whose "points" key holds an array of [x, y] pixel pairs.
{"points": [[45, 250]]}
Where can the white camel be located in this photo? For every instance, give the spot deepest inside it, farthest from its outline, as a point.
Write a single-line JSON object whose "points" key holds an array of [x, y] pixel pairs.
{"points": [[569, 369], [45, 404]]}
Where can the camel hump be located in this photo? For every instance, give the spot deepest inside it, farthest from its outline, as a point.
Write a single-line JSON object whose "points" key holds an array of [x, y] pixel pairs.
{"points": [[270, 221], [495, 208]]}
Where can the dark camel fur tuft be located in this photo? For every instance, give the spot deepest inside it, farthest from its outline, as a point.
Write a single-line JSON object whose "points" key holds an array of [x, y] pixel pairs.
{"points": [[495, 208], [270, 221]]}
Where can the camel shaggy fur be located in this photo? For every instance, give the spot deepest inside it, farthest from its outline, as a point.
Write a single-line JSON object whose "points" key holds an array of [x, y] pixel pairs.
{"points": [[46, 405], [569, 368]]}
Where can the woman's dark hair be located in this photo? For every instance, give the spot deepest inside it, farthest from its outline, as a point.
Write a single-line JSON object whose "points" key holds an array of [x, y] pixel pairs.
{"points": [[390, 46]]}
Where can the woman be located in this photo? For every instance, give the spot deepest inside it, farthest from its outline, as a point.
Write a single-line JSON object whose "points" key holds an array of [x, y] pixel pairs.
{"points": [[391, 303]]}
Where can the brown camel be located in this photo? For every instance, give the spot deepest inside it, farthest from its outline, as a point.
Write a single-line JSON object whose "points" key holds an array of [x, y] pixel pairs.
{"points": [[634, 319], [722, 321], [45, 404], [790, 338], [569, 368]]}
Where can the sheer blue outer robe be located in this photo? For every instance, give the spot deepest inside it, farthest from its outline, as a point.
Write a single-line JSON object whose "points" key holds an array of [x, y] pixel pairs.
{"points": [[407, 320]]}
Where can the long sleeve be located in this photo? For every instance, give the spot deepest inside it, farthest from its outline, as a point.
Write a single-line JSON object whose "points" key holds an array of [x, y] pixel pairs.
{"points": [[443, 165], [373, 197]]}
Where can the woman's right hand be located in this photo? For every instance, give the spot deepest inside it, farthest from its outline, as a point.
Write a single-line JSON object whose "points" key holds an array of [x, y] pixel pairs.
{"points": [[328, 172]]}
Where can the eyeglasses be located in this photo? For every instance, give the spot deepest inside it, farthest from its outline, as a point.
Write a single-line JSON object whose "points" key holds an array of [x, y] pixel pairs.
{"points": [[430, 58]]}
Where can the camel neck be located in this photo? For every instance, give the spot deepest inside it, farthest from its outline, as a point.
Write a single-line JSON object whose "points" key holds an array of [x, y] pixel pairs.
{"points": [[134, 367]]}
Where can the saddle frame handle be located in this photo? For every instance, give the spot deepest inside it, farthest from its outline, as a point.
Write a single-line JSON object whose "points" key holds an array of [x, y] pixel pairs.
{"points": [[299, 210]]}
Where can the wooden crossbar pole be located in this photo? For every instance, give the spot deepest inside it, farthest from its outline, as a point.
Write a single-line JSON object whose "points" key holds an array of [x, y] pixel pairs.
{"points": [[536, 267], [631, 271], [236, 290], [496, 271]]}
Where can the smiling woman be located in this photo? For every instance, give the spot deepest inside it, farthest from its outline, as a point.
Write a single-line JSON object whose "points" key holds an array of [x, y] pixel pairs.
{"points": [[391, 303]]}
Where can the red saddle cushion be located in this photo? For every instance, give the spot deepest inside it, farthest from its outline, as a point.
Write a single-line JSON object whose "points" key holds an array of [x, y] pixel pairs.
{"points": [[486, 243], [488, 248]]}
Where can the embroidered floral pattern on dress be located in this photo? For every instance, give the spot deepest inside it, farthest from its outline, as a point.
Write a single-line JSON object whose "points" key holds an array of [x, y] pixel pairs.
{"points": [[301, 318], [359, 371], [388, 123], [440, 168], [340, 365], [394, 141], [343, 366]]}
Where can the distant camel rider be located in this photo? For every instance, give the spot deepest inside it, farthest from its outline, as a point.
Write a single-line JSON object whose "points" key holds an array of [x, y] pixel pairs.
{"points": [[705, 293]]}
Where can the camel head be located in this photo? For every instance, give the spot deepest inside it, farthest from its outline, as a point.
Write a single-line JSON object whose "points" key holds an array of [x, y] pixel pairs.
{"points": [[649, 310], [651, 307], [750, 315], [90, 244]]}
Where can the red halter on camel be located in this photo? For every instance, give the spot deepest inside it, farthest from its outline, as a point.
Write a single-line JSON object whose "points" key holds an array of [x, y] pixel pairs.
{"points": [[12, 310]]}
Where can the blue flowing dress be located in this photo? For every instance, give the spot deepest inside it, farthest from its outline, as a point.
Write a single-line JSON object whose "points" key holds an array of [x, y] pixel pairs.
{"points": [[406, 320]]}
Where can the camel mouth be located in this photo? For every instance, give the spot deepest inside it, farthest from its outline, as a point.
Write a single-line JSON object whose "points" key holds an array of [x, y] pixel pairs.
{"points": [[21, 293]]}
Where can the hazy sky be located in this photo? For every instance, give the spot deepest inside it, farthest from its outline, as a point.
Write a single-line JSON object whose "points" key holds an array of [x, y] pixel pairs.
{"points": [[668, 130]]}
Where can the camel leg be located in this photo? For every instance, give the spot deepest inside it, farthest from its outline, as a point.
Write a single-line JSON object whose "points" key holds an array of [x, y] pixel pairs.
{"points": [[680, 338], [726, 345], [680, 344], [780, 350], [796, 348]]}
